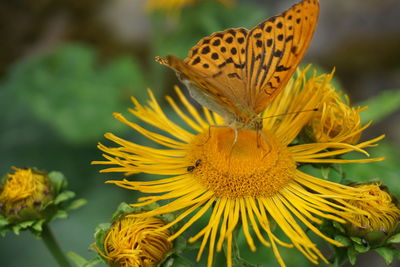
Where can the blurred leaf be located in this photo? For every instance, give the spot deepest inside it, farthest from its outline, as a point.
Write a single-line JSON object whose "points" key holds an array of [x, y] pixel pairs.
{"points": [[380, 106], [78, 260], [386, 171], [70, 91], [76, 204], [3, 221]]}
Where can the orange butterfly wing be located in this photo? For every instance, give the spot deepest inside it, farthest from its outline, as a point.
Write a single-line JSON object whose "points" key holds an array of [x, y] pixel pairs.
{"points": [[237, 73], [275, 48], [215, 66]]}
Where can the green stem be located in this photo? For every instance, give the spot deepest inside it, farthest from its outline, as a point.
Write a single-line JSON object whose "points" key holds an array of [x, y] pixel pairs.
{"points": [[53, 247]]}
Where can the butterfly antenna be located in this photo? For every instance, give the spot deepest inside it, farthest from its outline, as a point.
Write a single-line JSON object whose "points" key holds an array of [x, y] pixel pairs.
{"points": [[290, 113]]}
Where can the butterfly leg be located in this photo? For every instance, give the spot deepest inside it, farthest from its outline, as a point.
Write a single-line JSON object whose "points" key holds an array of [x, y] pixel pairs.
{"points": [[209, 132], [269, 145]]}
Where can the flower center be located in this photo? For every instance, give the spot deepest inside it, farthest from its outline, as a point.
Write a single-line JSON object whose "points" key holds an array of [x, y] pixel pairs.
{"points": [[256, 164]]}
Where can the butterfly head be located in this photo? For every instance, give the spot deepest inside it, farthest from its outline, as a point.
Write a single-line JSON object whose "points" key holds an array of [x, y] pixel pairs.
{"points": [[254, 123]]}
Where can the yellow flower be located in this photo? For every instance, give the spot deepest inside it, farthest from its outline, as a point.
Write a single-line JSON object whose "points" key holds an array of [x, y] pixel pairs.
{"points": [[384, 214], [244, 183], [335, 120], [175, 6], [24, 193], [136, 242]]}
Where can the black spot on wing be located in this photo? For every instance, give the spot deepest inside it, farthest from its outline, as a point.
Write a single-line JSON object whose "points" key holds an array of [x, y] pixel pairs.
{"points": [[216, 42], [233, 75], [282, 68], [196, 61], [205, 50]]}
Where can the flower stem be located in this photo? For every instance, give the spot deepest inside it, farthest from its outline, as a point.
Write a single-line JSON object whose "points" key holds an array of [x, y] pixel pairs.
{"points": [[53, 247]]}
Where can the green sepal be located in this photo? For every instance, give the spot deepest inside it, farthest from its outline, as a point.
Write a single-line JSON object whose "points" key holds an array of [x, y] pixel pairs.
{"points": [[394, 239], [357, 240], [64, 196], [58, 181], [386, 253], [123, 209], [376, 238], [60, 214], [360, 248], [176, 261], [38, 225], [352, 255], [3, 221], [80, 261], [343, 239], [339, 227], [99, 235], [76, 204], [21, 226]]}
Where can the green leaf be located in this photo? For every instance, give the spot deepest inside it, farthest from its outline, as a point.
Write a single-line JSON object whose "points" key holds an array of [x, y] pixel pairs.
{"points": [[381, 106], [76, 204], [60, 214], [352, 255], [386, 253], [37, 226], [3, 221], [339, 226], [58, 181], [361, 248], [72, 93], [343, 239], [100, 234], [77, 259], [177, 261], [394, 239], [357, 240], [123, 208], [64, 196]]}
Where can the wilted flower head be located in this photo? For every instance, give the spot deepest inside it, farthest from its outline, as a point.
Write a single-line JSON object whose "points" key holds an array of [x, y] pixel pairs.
{"points": [[136, 242], [24, 193], [336, 120], [383, 209]]}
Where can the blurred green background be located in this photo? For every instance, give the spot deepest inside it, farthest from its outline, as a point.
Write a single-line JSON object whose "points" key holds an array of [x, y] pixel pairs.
{"points": [[66, 65]]}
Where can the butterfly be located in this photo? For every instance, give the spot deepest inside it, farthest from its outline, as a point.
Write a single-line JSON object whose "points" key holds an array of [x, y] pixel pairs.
{"points": [[238, 72]]}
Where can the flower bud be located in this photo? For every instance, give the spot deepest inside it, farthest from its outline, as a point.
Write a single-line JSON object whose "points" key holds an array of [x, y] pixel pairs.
{"points": [[135, 242], [24, 194], [335, 120], [384, 217]]}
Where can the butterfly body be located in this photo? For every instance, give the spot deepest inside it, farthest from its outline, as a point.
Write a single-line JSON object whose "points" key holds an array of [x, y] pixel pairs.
{"points": [[238, 72]]}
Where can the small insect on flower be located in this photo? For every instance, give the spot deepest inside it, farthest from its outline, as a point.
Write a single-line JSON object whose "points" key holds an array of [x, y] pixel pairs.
{"points": [[191, 168]]}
